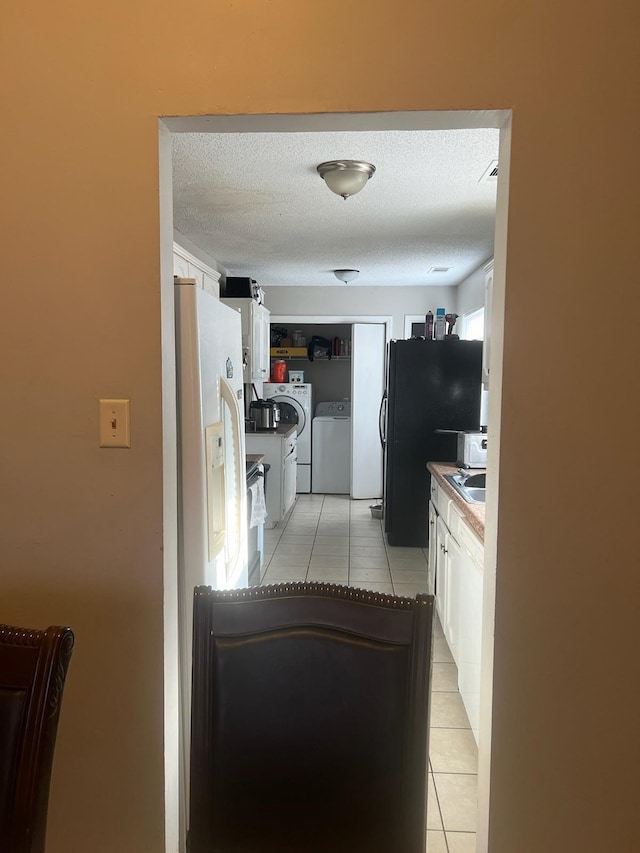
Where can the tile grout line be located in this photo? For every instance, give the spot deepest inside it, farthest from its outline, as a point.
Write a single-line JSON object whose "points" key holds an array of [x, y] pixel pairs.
{"points": [[444, 831], [314, 539]]}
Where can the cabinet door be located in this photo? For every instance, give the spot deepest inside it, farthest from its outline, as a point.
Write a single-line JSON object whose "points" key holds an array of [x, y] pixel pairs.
{"points": [[433, 550], [211, 284], [197, 273], [451, 626], [441, 570], [259, 355], [264, 361], [470, 637], [180, 266]]}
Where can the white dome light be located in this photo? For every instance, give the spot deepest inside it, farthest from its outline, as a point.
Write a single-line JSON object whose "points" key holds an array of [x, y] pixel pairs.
{"points": [[346, 275], [345, 177]]}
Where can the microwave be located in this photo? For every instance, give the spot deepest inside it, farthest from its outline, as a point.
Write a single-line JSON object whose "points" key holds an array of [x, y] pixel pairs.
{"points": [[472, 450]]}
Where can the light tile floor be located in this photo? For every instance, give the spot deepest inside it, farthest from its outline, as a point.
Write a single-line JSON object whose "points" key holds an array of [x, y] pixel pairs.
{"points": [[334, 539]]}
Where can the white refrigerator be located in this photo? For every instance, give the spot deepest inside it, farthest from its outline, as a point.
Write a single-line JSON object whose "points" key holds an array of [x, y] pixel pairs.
{"points": [[212, 526]]}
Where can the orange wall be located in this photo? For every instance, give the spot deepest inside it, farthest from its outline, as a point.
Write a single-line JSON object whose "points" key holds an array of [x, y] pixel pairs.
{"points": [[83, 85]]}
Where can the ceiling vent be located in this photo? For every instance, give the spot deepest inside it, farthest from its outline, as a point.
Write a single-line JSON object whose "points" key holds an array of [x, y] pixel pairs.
{"points": [[490, 174], [439, 269]]}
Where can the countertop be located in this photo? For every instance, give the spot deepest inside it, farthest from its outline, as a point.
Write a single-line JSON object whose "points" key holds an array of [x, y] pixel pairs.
{"points": [[473, 513], [258, 458], [281, 431]]}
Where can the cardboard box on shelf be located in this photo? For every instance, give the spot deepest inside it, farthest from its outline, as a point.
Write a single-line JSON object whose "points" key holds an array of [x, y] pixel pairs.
{"points": [[291, 352]]}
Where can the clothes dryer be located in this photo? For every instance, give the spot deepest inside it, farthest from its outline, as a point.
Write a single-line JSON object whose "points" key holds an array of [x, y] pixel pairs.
{"points": [[295, 399], [331, 449]]}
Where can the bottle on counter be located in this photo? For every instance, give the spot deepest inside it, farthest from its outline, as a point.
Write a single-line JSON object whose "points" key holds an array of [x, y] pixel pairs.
{"points": [[440, 325], [279, 371], [428, 326]]}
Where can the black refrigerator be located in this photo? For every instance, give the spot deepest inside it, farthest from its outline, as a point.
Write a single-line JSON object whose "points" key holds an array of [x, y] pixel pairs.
{"points": [[431, 385]]}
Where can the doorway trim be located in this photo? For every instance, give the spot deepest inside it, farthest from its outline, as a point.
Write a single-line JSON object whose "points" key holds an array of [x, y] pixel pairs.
{"points": [[327, 122]]}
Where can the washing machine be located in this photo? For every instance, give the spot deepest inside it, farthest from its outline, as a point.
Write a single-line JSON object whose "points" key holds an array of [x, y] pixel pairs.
{"points": [[331, 448], [295, 401]]}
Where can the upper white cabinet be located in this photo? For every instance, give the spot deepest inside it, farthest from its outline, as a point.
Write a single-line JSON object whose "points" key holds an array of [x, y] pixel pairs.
{"points": [[486, 347], [255, 337], [187, 265]]}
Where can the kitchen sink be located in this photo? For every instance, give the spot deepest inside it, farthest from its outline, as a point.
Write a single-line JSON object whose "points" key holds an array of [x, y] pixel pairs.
{"points": [[471, 487]]}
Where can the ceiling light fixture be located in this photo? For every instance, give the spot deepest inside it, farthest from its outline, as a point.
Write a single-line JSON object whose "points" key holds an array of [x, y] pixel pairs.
{"points": [[346, 275], [345, 177]]}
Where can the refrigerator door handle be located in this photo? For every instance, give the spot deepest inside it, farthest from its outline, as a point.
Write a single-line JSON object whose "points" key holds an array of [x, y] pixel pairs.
{"points": [[382, 419], [229, 397]]}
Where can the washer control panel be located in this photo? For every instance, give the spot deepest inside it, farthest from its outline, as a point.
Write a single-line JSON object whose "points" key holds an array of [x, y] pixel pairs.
{"points": [[337, 409], [291, 389]]}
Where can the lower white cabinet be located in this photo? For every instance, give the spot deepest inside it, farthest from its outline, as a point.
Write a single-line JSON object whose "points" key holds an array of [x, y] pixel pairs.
{"points": [[441, 570], [469, 644], [433, 550], [451, 624], [280, 453], [456, 558]]}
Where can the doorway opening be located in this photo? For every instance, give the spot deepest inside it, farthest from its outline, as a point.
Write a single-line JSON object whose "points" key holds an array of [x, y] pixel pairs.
{"points": [[327, 125]]}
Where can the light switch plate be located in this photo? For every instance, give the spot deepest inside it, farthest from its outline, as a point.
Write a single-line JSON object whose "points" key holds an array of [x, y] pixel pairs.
{"points": [[115, 427]]}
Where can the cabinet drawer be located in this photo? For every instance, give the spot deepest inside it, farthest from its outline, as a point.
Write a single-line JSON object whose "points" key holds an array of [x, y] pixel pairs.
{"points": [[440, 499]]}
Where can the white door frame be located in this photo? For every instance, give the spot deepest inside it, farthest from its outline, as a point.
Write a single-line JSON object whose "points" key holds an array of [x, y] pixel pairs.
{"points": [[327, 122]]}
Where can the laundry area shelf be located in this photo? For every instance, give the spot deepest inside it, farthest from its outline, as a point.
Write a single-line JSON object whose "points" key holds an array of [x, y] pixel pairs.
{"points": [[288, 352]]}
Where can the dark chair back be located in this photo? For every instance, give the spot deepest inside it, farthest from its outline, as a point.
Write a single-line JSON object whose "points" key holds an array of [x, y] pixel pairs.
{"points": [[33, 668], [310, 720]]}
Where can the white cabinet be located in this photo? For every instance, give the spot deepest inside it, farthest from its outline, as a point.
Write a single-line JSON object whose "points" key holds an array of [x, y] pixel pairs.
{"points": [[180, 265], [469, 646], [280, 453], [486, 345], [187, 265], [433, 549], [260, 333], [456, 558], [255, 337], [442, 581]]}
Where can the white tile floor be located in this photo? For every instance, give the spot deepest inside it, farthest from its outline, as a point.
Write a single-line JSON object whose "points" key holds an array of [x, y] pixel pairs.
{"points": [[334, 539]]}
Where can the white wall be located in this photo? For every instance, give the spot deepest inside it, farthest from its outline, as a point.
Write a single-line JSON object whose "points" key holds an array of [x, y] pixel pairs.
{"points": [[350, 300], [470, 294]]}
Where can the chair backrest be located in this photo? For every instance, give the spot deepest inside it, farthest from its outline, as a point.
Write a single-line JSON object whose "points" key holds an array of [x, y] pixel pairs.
{"points": [[33, 668], [310, 720]]}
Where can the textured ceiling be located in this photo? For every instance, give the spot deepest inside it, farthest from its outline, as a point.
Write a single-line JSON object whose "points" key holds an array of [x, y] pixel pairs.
{"points": [[255, 202]]}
